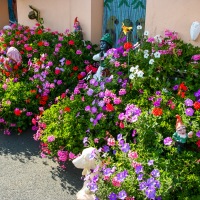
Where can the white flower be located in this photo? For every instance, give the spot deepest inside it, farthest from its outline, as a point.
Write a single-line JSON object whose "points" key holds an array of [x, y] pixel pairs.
{"points": [[165, 90], [146, 51], [151, 61], [146, 33], [131, 76], [139, 27], [146, 55], [140, 74], [157, 78], [158, 38], [157, 54], [132, 69]]}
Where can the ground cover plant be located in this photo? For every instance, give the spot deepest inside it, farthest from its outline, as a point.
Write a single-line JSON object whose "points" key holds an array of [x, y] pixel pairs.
{"points": [[130, 117], [51, 62]]}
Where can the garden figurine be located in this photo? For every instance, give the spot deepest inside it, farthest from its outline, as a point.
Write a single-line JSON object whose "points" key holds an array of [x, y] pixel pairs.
{"points": [[105, 44], [77, 28], [88, 161], [180, 136], [14, 55]]}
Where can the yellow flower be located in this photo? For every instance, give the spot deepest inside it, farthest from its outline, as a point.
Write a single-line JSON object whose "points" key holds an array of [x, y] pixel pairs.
{"points": [[126, 29]]}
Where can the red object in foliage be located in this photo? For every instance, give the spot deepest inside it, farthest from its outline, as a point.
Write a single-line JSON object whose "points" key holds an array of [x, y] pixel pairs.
{"points": [[128, 45], [197, 105], [67, 109], [157, 111], [109, 107], [17, 112], [198, 143], [79, 76]]}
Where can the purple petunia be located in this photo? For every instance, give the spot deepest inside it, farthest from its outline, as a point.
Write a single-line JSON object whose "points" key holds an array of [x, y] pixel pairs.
{"points": [[198, 134], [112, 196], [155, 173], [122, 175], [188, 102], [189, 112], [106, 148], [122, 194], [176, 87], [150, 162], [138, 169], [90, 92], [125, 148]]}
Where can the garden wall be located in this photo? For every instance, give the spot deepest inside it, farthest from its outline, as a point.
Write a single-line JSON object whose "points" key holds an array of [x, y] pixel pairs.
{"points": [[60, 15], [173, 15], [4, 19]]}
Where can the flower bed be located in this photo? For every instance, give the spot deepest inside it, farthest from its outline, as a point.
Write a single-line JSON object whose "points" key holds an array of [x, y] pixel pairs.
{"points": [[51, 62], [131, 118]]}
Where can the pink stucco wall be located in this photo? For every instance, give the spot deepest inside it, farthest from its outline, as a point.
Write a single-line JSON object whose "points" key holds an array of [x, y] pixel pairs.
{"points": [[4, 19], [175, 15], [59, 15]]}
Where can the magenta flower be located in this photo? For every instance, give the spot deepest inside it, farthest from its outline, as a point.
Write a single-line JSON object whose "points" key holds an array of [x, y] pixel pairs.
{"points": [[78, 52], [168, 141], [196, 57], [122, 92], [62, 155]]}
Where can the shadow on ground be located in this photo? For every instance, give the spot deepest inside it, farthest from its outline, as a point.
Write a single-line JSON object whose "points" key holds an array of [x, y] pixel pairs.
{"points": [[23, 149]]}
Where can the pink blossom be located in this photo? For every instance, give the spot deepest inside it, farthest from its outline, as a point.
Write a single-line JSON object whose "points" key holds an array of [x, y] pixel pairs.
{"points": [[6, 132], [4, 86], [59, 82], [71, 156], [117, 100], [96, 140], [196, 57], [42, 155], [50, 138], [115, 182], [122, 92], [117, 63], [133, 154], [78, 52], [111, 142], [62, 155]]}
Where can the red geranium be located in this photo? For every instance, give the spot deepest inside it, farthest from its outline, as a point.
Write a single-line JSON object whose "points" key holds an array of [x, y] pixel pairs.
{"points": [[71, 42], [68, 62], [109, 107], [183, 87], [67, 109], [197, 105], [157, 111], [128, 45], [79, 76], [17, 112], [75, 68], [198, 143], [40, 43]]}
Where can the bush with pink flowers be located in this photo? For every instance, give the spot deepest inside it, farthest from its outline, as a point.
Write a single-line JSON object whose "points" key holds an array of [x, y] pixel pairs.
{"points": [[130, 118], [51, 63]]}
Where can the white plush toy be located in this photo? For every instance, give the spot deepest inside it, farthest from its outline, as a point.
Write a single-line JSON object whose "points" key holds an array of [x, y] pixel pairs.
{"points": [[14, 55], [86, 163], [194, 30]]}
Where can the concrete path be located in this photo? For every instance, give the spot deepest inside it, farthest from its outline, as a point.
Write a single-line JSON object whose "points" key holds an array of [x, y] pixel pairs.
{"points": [[26, 176]]}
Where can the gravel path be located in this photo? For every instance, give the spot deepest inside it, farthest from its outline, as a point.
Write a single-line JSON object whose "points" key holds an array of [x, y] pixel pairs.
{"points": [[26, 176]]}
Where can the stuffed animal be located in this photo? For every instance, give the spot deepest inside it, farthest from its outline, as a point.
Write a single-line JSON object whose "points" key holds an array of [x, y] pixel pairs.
{"points": [[88, 160]]}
